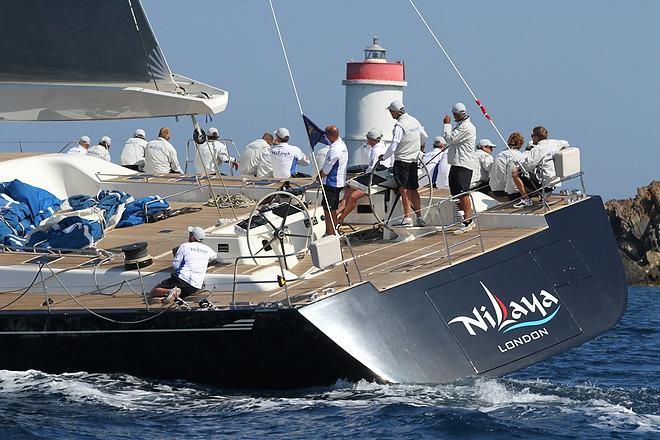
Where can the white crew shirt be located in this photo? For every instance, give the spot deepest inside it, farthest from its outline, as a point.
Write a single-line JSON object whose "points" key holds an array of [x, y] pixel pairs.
{"points": [[285, 159], [191, 261], [335, 163], [375, 152], [437, 166], [462, 143], [362, 155], [211, 151], [498, 173], [483, 162], [77, 149], [133, 152], [255, 160], [542, 153], [99, 151], [160, 157]]}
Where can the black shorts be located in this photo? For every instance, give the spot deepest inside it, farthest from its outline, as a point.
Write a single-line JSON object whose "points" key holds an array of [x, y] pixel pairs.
{"points": [[332, 194], [459, 179], [405, 174], [174, 281]]}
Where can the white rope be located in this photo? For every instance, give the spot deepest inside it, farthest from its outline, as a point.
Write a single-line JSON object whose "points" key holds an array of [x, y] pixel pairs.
{"points": [[481, 107], [295, 91]]}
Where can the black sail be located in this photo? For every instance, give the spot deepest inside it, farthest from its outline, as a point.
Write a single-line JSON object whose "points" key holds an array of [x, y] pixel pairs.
{"points": [[79, 41]]}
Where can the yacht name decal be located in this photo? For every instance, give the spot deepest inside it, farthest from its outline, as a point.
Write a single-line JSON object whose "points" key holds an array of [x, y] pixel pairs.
{"points": [[536, 310]]}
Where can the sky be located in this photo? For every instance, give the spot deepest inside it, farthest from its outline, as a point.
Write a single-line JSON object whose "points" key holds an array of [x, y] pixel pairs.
{"points": [[587, 70]]}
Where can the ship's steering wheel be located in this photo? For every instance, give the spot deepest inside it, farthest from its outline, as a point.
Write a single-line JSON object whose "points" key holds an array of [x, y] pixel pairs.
{"points": [[278, 229], [422, 174]]}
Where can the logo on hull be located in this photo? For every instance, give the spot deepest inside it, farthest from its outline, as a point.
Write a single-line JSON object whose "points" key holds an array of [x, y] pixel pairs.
{"points": [[533, 311]]}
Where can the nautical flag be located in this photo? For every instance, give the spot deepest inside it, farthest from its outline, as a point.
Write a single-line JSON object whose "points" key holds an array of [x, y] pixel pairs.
{"points": [[314, 133]]}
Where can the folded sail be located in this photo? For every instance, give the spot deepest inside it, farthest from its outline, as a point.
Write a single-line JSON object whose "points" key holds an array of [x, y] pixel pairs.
{"points": [[82, 59]]}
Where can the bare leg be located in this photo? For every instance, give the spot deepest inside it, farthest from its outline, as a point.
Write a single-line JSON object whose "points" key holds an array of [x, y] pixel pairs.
{"points": [[330, 221], [405, 202], [515, 174], [350, 202], [159, 292], [466, 206], [415, 201]]}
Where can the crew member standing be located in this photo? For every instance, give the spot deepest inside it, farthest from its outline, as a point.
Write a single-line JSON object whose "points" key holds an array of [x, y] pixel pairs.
{"points": [[160, 156], [284, 157], [461, 156], [408, 138], [132, 155], [333, 177]]}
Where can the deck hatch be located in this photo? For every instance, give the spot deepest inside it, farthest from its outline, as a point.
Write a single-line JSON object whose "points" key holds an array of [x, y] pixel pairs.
{"points": [[561, 263]]}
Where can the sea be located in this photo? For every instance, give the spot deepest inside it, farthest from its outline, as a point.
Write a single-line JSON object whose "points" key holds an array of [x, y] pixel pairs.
{"points": [[607, 388]]}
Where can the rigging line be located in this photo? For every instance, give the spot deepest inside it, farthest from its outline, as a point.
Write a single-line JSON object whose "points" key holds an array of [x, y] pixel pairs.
{"points": [[295, 91], [479, 104], [144, 49]]}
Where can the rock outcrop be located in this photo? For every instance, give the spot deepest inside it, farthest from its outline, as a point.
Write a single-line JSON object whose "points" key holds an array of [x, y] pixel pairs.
{"points": [[636, 225]]}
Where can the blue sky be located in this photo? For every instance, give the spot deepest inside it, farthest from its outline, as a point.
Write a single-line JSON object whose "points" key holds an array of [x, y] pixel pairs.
{"points": [[587, 70]]}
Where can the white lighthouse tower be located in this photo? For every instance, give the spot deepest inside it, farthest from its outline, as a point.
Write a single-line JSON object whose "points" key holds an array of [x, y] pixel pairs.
{"points": [[370, 87]]}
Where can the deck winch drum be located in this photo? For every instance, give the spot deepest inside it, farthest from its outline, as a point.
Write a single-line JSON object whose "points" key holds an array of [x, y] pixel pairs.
{"points": [[136, 255]]}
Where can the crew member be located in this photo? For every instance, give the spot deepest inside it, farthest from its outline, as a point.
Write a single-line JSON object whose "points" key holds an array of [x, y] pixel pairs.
{"points": [[160, 156], [255, 161], [81, 148], [284, 157], [483, 162], [539, 157], [190, 262], [102, 150], [212, 151], [333, 177], [436, 163], [408, 138], [132, 155], [499, 176], [351, 195], [460, 155]]}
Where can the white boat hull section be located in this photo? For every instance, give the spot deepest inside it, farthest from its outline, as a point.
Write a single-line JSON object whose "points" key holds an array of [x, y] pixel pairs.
{"points": [[110, 280], [64, 175], [76, 102]]}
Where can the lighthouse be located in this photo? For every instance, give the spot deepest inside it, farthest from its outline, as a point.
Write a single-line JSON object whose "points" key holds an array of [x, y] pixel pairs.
{"points": [[371, 85]]}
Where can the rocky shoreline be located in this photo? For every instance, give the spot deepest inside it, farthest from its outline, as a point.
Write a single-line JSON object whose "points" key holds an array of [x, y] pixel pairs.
{"points": [[636, 225]]}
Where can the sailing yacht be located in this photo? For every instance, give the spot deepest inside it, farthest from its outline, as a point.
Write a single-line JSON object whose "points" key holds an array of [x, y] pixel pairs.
{"points": [[283, 307]]}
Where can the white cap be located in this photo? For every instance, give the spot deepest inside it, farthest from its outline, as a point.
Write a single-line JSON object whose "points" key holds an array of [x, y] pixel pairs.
{"points": [[485, 143], [459, 108], [106, 139], [139, 132], [213, 130], [197, 232], [85, 139], [281, 133], [375, 134], [395, 106], [439, 140]]}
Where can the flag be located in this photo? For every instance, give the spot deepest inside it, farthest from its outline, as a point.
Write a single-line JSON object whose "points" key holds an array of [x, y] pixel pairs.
{"points": [[315, 134]]}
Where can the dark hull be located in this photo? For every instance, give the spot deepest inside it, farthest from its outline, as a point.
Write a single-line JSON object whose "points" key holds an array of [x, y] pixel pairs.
{"points": [[404, 334]]}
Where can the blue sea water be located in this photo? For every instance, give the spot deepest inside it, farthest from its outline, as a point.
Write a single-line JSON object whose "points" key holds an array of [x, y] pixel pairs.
{"points": [[608, 388]]}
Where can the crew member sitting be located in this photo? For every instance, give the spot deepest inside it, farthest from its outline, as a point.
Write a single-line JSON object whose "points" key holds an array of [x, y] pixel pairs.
{"points": [[539, 157], [499, 176], [211, 152], [190, 263], [255, 161], [351, 195], [81, 148], [132, 155], [482, 165], [284, 157], [436, 164], [102, 150], [160, 156]]}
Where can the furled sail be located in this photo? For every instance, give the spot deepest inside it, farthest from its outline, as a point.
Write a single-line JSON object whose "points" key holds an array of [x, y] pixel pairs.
{"points": [[82, 59]]}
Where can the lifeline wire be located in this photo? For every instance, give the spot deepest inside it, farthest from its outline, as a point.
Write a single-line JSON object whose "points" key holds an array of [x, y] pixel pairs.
{"points": [[295, 90], [481, 106]]}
